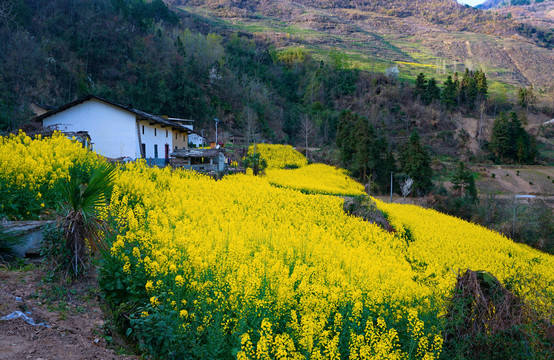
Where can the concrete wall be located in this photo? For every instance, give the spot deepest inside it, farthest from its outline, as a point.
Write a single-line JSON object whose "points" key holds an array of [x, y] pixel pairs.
{"points": [[154, 135], [112, 130]]}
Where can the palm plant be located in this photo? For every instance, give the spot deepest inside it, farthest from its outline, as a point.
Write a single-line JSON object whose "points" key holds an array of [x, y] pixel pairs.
{"points": [[86, 193]]}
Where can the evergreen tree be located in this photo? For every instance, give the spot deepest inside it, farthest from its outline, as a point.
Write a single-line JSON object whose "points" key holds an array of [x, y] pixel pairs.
{"points": [[500, 138], [346, 136], [449, 94], [510, 141], [481, 83], [458, 87], [364, 138], [432, 91], [469, 89], [420, 86], [464, 183], [416, 163], [362, 152]]}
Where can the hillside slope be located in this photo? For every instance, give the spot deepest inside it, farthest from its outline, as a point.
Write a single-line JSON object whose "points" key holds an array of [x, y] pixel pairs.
{"points": [[438, 36]]}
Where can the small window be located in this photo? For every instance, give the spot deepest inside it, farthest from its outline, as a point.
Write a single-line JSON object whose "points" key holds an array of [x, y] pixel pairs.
{"points": [[143, 150], [142, 129], [155, 132], [175, 135], [155, 150], [166, 133]]}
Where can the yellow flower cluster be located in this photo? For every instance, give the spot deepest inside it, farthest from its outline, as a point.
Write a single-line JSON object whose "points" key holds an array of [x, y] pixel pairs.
{"points": [[31, 170], [278, 156], [245, 247], [242, 246], [317, 282], [316, 179], [448, 245], [32, 163]]}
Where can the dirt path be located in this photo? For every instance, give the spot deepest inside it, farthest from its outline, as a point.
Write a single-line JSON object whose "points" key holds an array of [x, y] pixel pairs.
{"points": [[77, 328]]}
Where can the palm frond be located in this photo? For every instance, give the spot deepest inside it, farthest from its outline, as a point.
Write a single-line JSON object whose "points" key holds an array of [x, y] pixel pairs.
{"points": [[86, 194]]}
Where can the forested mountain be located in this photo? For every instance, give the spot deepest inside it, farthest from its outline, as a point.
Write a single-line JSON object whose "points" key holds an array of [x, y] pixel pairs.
{"points": [[143, 54], [275, 71]]}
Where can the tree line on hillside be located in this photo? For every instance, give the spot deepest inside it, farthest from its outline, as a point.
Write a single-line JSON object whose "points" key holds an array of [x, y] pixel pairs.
{"points": [[468, 91], [370, 157], [144, 55]]}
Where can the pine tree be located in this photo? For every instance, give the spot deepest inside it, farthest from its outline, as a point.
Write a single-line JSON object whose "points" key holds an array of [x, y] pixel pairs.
{"points": [[448, 96], [345, 136], [464, 183], [481, 83], [416, 163], [432, 91], [469, 89], [510, 141], [500, 138], [361, 151], [364, 138], [420, 86]]}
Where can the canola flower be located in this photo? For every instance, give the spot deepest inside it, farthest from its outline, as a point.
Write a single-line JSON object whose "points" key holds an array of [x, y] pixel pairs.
{"points": [[448, 245], [316, 179], [279, 156], [242, 268], [33, 163], [31, 168], [238, 248], [278, 268]]}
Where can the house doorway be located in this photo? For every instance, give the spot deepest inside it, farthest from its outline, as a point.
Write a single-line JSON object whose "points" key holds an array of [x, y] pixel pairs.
{"points": [[167, 153]]}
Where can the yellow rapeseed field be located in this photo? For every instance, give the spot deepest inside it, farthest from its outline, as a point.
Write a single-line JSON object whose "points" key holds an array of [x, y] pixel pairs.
{"points": [[279, 156], [31, 169], [239, 268], [316, 179]]}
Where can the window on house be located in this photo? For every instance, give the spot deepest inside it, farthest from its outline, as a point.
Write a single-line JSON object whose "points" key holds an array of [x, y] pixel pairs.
{"points": [[142, 129], [155, 132], [175, 135], [155, 151], [143, 152], [166, 133]]}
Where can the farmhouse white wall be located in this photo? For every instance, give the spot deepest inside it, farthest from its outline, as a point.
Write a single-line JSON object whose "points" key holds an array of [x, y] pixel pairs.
{"points": [[112, 130], [155, 135]]}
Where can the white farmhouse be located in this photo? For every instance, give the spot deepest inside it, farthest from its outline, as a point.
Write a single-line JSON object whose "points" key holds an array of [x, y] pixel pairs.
{"points": [[118, 131]]}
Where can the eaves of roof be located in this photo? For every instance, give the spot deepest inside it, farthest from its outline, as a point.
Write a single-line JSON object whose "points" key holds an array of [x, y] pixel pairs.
{"points": [[141, 115]]}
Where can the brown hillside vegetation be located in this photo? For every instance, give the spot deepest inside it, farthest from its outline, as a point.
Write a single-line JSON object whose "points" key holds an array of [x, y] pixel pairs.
{"points": [[439, 32]]}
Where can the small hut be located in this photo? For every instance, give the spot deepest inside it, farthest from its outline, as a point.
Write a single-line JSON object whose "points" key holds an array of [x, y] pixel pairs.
{"points": [[203, 160]]}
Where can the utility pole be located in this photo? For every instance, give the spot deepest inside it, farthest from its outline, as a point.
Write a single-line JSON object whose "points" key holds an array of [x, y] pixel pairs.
{"points": [[216, 122]]}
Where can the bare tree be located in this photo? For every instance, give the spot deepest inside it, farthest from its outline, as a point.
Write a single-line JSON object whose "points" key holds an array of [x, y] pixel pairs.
{"points": [[250, 126], [482, 108], [6, 11], [406, 187], [306, 130]]}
